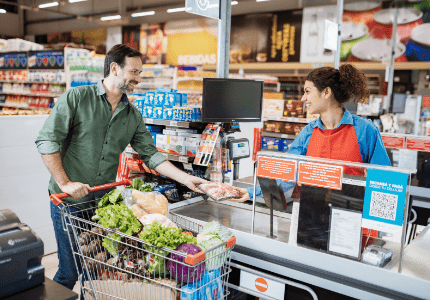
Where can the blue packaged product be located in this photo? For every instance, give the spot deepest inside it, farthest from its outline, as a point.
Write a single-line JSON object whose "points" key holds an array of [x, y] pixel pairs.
{"points": [[188, 114], [168, 113], [181, 116], [178, 97], [144, 112], [149, 111], [169, 100], [160, 90], [213, 289], [158, 99], [189, 292], [284, 145], [175, 115], [158, 112], [183, 99], [150, 98]]}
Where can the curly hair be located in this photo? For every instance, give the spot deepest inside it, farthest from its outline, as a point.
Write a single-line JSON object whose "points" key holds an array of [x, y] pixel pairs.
{"points": [[346, 83]]}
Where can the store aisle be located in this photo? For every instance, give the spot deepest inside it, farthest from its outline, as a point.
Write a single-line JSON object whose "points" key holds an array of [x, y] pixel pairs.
{"points": [[50, 262]]}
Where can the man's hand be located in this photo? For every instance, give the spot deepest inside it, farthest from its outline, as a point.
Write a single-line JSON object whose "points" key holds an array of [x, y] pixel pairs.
{"points": [[243, 193], [76, 189], [192, 181]]}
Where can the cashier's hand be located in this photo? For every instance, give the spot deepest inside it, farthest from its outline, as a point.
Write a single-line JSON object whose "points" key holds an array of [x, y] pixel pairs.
{"points": [[192, 181], [75, 189], [243, 195]]}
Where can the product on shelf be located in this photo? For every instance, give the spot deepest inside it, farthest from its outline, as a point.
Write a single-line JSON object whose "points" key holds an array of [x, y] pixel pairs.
{"points": [[294, 108], [273, 108], [270, 143]]}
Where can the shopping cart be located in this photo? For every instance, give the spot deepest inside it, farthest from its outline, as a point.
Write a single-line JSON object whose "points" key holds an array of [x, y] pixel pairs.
{"points": [[137, 270]]}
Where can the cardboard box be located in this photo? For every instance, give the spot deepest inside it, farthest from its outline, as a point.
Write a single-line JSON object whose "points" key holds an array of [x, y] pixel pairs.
{"points": [[169, 132], [158, 112], [162, 143], [177, 145], [159, 99], [273, 108], [192, 146]]}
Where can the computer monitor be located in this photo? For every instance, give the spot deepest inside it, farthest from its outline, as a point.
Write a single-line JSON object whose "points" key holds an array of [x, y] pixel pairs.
{"points": [[399, 103], [231, 100]]}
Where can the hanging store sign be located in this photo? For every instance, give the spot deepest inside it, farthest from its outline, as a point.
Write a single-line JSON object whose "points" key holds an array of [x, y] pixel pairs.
{"points": [[280, 169], [320, 175], [13, 60], [393, 142], [46, 60], [418, 144], [205, 8]]}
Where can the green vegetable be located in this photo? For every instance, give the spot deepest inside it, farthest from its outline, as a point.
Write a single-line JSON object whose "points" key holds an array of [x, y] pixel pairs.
{"points": [[159, 236], [137, 184], [110, 244], [112, 197], [118, 216]]}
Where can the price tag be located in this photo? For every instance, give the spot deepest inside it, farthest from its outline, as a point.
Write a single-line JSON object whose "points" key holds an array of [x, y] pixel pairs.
{"points": [[149, 121], [183, 159], [188, 167], [173, 123]]}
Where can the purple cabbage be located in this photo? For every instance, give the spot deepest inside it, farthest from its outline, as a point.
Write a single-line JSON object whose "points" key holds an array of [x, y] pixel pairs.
{"points": [[182, 272]]}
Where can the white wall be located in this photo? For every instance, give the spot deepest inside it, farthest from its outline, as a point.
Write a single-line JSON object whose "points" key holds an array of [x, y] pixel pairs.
{"points": [[24, 177]]}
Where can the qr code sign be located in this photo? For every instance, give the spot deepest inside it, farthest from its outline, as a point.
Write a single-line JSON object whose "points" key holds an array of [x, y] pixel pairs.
{"points": [[383, 205]]}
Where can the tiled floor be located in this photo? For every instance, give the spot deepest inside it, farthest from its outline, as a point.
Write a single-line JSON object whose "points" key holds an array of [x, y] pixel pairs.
{"points": [[50, 262]]}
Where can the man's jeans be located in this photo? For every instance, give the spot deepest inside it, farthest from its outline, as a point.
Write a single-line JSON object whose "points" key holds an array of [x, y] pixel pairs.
{"points": [[67, 274]]}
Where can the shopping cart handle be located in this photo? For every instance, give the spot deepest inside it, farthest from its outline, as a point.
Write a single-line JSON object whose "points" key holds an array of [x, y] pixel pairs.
{"points": [[56, 198]]}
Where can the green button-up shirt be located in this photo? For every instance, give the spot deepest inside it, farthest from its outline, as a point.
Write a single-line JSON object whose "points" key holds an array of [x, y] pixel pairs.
{"points": [[91, 139]]}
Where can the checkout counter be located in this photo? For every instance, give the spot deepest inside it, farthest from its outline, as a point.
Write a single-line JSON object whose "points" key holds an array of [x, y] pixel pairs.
{"points": [[330, 229]]}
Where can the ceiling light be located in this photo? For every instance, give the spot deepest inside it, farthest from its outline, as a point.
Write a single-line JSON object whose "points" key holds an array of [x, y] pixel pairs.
{"points": [[234, 2], [50, 4], [261, 0], [2, 11], [116, 17], [73, 1], [144, 13], [172, 10]]}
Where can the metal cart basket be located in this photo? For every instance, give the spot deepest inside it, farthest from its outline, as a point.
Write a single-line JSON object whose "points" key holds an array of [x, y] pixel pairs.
{"points": [[133, 269]]}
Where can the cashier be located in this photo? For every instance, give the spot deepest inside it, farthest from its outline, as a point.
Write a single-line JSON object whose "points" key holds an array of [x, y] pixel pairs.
{"points": [[81, 141], [336, 134]]}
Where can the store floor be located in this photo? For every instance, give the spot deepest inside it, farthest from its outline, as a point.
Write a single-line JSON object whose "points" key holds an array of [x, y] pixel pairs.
{"points": [[50, 262]]}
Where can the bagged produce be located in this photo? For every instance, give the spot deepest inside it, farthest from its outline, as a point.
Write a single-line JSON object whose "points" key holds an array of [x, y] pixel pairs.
{"points": [[151, 202], [219, 191], [132, 204]]}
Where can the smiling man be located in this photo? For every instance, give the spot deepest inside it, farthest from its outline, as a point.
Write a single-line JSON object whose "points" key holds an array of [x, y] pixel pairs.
{"points": [[81, 141]]}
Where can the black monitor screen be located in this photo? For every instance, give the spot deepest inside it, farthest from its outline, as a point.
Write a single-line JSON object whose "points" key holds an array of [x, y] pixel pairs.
{"points": [[231, 100], [399, 103]]}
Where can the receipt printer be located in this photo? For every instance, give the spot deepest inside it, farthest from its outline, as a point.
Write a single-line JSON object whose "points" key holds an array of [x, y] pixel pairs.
{"points": [[21, 252]]}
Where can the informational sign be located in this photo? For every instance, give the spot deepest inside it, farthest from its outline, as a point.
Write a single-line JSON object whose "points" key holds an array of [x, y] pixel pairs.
{"points": [[384, 202], [320, 175], [426, 101], [393, 142], [345, 232], [258, 284], [274, 168], [46, 59], [13, 60], [330, 35], [418, 144], [205, 8]]}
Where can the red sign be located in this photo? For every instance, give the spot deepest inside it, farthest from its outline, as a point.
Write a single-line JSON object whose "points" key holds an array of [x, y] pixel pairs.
{"points": [[418, 144], [426, 101], [393, 142], [325, 176], [261, 284], [274, 168]]}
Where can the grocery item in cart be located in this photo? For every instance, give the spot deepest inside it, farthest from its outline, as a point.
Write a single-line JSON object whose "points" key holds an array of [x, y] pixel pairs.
{"points": [[149, 218], [183, 272], [151, 202], [219, 191], [211, 291]]}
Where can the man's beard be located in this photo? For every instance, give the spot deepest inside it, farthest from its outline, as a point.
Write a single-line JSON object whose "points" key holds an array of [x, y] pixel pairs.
{"points": [[124, 86]]}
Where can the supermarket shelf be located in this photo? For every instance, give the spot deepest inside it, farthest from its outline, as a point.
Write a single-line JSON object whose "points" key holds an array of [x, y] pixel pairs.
{"points": [[289, 119], [33, 94], [22, 106], [309, 66], [169, 123], [186, 78], [21, 81], [278, 135], [173, 157]]}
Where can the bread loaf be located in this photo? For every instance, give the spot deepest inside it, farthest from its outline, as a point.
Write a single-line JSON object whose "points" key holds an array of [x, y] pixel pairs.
{"points": [[151, 202]]}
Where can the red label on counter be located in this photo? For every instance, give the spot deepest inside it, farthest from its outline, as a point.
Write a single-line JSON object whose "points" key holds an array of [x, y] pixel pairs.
{"points": [[426, 101], [274, 168], [418, 144], [393, 142], [320, 175]]}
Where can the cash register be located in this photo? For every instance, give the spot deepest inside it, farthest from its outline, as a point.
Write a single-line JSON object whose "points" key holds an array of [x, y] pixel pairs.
{"points": [[21, 252]]}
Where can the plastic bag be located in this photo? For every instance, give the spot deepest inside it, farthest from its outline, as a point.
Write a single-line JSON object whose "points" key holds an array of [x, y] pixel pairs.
{"points": [[165, 222], [219, 191], [151, 202], [138, 212]]}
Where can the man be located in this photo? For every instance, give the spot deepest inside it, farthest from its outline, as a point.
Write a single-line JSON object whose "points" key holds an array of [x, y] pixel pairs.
{"points": [[82, 139]]}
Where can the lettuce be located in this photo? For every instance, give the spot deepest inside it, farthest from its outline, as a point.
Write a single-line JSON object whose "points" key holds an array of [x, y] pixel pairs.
{"points": [[112, 197]]}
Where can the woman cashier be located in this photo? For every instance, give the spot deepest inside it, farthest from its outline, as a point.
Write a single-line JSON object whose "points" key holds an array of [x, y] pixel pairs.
{"points": [[336, 134]]}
